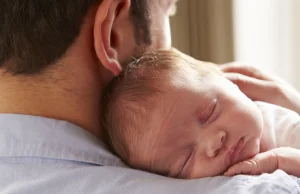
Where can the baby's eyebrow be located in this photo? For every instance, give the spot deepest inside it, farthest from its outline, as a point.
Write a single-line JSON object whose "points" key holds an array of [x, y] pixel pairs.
{"points": [[189, 163]]}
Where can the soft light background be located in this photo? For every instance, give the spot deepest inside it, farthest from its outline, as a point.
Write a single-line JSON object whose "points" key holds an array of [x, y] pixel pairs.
{"points": [[262, 33]]}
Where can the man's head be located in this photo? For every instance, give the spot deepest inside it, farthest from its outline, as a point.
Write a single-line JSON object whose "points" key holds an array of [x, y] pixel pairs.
{"points": [[56, 56], [172, 115], [35, 35]]}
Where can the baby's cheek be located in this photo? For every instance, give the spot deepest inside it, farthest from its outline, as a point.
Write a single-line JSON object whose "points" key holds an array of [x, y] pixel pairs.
{"points": [[251, 149]]}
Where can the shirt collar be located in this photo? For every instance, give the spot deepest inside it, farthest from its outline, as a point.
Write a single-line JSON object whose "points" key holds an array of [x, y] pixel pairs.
{"points": [[32, 136]]}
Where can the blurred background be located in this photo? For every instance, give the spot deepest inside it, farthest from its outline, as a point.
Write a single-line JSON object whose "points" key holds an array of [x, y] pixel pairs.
{"points": [[261, 33]]}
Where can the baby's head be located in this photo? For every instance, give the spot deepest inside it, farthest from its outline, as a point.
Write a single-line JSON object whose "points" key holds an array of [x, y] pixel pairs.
{"points": [[170, 114]]}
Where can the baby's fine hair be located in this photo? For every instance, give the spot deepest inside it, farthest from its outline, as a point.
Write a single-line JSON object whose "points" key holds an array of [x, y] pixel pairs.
{"points": [[130, 98]]}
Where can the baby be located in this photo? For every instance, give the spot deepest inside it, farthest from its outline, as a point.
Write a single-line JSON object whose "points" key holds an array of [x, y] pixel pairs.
{"points": [[170, 114]]}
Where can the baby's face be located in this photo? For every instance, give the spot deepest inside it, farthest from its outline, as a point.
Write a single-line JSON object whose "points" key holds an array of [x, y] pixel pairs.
{"points": [[202, 126]]}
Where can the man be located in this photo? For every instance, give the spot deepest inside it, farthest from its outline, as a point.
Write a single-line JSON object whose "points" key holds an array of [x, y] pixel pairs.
{"points": [[56, 57]]}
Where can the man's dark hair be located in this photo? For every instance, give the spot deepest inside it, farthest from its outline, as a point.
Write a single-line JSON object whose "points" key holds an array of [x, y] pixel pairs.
{"points": [[34, 34]]}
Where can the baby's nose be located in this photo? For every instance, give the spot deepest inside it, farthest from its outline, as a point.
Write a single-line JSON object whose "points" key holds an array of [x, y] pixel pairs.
{"points": [[215, 144]]}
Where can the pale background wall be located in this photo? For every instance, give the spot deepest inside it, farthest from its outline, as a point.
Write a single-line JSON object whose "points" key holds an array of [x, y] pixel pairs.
{"points": [[262, 33], [267, 35]]}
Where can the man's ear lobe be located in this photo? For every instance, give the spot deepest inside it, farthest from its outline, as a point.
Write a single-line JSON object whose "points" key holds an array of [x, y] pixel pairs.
{"points": [[103, 35]]}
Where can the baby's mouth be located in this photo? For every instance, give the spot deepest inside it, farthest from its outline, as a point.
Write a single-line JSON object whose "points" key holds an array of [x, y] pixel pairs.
{"points": [[234, 152]]}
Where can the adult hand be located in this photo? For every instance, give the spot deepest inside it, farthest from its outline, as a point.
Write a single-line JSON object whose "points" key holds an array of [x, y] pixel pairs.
{"points": [[260, 86]]}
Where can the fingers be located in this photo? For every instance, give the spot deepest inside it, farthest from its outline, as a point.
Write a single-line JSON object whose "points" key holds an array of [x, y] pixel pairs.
{"points": [[265, 162], [245, 70], [260, 86], [253, 88], [246, 167]]}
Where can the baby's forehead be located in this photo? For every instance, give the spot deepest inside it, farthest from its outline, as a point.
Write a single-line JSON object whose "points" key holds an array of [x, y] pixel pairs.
{"points": [[181, 79], [192, 68]]}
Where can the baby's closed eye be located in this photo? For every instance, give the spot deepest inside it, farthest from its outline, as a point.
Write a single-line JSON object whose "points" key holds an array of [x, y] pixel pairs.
{"points": [[187, 164]]}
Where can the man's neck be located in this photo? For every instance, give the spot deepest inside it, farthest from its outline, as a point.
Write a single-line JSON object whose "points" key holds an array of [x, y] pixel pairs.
{"points": [[64, 96]]}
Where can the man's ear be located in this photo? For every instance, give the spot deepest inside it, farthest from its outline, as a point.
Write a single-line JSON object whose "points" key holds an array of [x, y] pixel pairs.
{"points": [[105, 38]]}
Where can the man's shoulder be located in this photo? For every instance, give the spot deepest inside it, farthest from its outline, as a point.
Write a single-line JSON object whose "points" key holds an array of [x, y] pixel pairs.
{"points": [[82, 178], [38, 155]]}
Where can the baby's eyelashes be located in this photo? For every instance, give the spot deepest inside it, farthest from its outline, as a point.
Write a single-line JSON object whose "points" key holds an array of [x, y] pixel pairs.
{"points": [[205, 116], [187, 165]]}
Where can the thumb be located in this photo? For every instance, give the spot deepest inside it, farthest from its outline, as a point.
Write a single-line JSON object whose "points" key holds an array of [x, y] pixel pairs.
{"points": [[245, 70], [253, 88]]}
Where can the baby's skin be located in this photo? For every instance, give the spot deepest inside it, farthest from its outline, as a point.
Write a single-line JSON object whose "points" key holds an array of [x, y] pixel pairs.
{"points": [[201, 125]]}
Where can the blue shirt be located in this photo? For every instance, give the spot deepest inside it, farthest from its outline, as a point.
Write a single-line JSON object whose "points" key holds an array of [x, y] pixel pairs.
{"points": [[40, 155]]}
